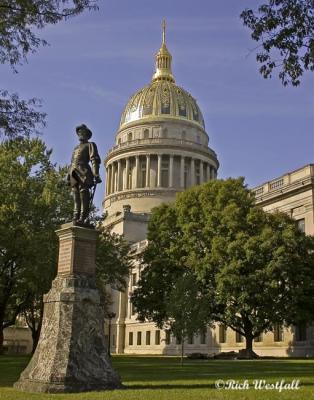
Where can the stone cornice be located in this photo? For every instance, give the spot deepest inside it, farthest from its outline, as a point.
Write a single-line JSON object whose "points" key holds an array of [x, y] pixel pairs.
{"points": [[141, 192]]}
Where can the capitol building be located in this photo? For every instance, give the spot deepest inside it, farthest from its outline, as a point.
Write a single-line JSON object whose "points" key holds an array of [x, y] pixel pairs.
{"points": [[162, 148]]}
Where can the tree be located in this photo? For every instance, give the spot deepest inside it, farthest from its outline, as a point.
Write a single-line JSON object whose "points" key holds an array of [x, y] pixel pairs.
{"points": [[20, 22], [162, 269], [113, 263], [168, 293], [34, 202], [256, 267], [188, 309], [19, 118], [285, 30]]}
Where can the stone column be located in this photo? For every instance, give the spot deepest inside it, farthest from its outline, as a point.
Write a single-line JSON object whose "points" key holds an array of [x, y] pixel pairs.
{"points": [[71, 355], [201, 172], [137, 167], [208, 177], [192, 172], [119, 176], [147, 170], [107, 180], [127, 171], [159, 170], [113, 180], [171, 171], [182, 172]]}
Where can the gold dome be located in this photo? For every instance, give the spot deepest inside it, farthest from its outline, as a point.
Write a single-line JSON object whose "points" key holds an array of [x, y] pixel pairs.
{"points": [[162, 97]]}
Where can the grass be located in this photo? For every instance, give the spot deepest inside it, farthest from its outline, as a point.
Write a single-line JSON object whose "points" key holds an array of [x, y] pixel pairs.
{"points": [[162, 378]]}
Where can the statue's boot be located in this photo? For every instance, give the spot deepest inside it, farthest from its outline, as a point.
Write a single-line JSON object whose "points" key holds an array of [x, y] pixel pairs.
{"points": [[85, 199], [77, 204]]}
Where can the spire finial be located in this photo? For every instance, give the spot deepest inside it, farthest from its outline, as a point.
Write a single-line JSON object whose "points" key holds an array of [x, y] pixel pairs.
{"points": [[163, 31], [163, 60]]}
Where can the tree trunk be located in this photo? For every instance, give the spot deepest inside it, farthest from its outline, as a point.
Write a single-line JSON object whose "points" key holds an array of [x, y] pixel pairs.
{"points": [[248, 352], [182, 351], [36, 330], [1, 337], [35, 337], [249, 343]]}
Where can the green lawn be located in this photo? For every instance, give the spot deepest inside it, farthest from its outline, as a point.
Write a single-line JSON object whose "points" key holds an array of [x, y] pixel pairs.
{"points": [[155, 378]]}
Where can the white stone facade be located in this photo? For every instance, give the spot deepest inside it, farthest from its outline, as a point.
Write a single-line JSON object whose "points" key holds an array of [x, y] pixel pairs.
{"points": [[161, 148]]}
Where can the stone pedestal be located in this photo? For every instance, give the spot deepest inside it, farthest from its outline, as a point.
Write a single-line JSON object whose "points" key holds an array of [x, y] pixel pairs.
{"points": [[71, 355]]}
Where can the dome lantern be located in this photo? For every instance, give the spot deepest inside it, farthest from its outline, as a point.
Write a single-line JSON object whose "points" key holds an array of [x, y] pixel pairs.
{"points": [[163, 60]]}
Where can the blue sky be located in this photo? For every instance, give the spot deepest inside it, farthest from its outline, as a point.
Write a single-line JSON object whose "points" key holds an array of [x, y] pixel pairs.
{"points": [[95, 61]]}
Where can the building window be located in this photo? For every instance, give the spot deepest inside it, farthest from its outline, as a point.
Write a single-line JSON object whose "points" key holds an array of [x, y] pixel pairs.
{"points": [[157, 337], [146, 134], [185, 176], [133, 279], [197, 174], [129, 179], [133, 311], [143, 174], [190, 339], [130, 136], [164, 173], [119, 141], [239, 337], [300, 332], [167, 336], [301, 225], [198, 139], [148, 338], [130, 338], [278, 333], [139, 338], [222, 334], [203, 337]]}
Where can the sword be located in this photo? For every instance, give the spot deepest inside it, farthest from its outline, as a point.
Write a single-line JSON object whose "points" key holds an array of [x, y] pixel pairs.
{"points": [[92, 194]]}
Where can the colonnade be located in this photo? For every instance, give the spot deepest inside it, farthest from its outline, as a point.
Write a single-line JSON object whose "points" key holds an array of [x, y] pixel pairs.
{"points": [[134, 172]]}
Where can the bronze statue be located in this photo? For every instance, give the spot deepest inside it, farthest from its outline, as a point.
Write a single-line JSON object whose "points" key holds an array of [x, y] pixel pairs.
{"points": [[81, 177]]}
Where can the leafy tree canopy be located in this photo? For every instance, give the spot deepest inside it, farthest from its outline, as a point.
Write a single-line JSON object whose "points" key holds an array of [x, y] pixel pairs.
{"points": [[19, 118], [257, 268], [34, 202], [20, 21], [285, 30]]}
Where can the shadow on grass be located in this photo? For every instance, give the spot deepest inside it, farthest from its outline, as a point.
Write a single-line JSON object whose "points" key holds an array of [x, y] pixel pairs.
{"points": [[170, 386]]}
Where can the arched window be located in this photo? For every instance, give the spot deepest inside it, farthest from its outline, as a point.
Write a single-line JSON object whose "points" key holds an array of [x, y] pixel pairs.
{"points": [[130, 136], [146, 134]]}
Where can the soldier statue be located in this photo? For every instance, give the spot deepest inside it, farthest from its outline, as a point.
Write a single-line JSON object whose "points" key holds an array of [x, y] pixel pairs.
{"points": [[81, 177]]}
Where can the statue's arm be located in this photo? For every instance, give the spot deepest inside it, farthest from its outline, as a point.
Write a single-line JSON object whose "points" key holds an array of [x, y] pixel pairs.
{"points": [[95, 160]]}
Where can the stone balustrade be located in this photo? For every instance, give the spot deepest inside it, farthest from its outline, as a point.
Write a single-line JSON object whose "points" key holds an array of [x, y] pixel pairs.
{"points": [[298, 177], [161, 141]]}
